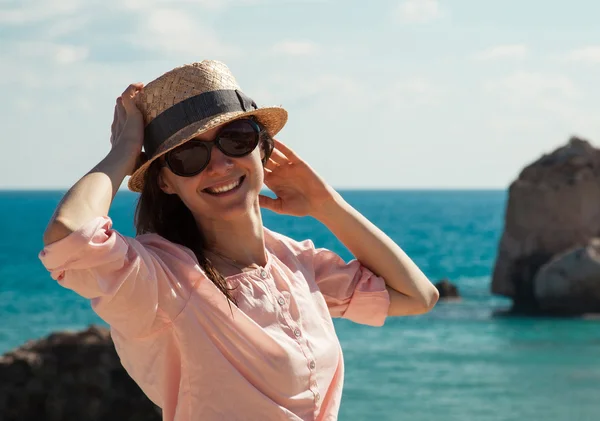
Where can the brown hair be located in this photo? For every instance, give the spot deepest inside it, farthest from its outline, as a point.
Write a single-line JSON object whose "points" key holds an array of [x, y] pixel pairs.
{"points": [[166, 215]]}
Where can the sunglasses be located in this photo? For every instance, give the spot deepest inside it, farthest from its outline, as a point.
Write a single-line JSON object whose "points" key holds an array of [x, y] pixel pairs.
{"points": [[237, 139]]}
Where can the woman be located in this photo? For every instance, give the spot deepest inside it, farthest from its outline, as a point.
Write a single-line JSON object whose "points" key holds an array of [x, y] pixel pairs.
{"points": [[213, 315]]}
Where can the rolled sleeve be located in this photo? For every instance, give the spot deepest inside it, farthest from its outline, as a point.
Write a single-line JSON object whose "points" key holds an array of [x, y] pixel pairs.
{"points": [[119, 275], [351, 290], [94, 246]]}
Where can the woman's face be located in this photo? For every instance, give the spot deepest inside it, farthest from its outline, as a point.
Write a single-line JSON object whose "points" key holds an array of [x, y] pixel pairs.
{"points": [[227, 188]]}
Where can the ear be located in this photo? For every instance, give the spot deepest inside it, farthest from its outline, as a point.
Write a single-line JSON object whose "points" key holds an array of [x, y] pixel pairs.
{"points": [[163, 183]]}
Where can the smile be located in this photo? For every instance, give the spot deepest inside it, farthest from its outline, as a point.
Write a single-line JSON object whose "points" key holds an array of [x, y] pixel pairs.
{"points": [[225, 188]]}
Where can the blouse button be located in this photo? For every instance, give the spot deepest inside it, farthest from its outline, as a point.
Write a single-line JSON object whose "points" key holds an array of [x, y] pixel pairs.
{"points": [[312, 365], [297, 332], [317, 397], [263, 274], [281, 301]]}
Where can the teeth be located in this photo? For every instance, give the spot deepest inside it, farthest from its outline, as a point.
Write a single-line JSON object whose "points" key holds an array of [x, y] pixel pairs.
{"points": [[225, 188]]}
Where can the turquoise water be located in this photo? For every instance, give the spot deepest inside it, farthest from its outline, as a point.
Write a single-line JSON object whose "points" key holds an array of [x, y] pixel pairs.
{"points": [[459, 362]]}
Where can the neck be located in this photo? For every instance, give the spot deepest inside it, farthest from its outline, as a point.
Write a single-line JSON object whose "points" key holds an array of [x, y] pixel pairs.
{"points": [[240, 239]]}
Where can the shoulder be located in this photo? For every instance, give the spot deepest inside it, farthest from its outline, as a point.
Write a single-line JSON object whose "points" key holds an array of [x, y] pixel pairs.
{"points": [[166, 250], [294, 255], [174, 261], [279, 243]]}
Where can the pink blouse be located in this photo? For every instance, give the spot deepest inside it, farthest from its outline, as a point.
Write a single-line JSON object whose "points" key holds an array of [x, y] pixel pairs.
{"points": [[276, 357]]}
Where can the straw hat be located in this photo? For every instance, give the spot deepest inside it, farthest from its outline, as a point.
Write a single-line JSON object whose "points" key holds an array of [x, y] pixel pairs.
{"points": [[190, 100]]}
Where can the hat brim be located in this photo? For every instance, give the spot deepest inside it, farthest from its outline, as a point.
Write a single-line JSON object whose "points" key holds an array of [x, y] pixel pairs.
{"points": [[272, 118]]}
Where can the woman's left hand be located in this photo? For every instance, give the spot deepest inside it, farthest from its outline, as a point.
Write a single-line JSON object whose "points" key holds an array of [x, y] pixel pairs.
{"points": [[299, 189]]}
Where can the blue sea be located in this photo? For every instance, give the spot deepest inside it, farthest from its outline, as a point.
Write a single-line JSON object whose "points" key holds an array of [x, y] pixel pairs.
{"points": [[460, 362]]}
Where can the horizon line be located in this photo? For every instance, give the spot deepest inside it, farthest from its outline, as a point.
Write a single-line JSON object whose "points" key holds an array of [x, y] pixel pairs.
{"points": [[362, 189]]}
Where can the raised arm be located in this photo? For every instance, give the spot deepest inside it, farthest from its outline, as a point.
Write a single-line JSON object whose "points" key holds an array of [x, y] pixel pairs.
{"points": [[301, 192], [133, 284], [410, 290], [92, 195]]}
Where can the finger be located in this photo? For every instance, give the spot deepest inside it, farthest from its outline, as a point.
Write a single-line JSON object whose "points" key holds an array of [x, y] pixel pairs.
{"points": [[129, 94], [113, 125], [291, 155], [268, 176], [278, 157], [269, 203], [115, 114], [121, 113], [132, 89], [271, 165]]}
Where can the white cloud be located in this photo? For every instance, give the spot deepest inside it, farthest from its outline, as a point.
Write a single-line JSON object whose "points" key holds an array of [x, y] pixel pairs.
{"points": [[39, 65], [515, 123], [66, 54], [24, 105], [66, 25], [590, 54], [503, 52], [58, 53], [295, 48], [416, 91], [418, 11], [528, 102], [147, 5], [528, 86], [299, 86], [34, 11], [173, 32], [329, 93], [37, 11]]}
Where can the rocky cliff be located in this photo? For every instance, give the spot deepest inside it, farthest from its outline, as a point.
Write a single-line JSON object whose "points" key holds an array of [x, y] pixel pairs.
{"points": [[553, 208], [70, 377]]}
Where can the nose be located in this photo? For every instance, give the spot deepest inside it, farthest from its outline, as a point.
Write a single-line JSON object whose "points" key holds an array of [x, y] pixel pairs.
{"points": [[219, 163]]}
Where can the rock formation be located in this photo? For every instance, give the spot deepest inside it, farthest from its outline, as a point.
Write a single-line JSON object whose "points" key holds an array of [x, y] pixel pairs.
{"points": [[553, 207], [447, 289], [570, 283], [70, 377]]}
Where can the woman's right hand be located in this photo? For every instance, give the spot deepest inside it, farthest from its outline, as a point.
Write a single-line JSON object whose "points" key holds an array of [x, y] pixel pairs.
{"points": [[127, 130]]}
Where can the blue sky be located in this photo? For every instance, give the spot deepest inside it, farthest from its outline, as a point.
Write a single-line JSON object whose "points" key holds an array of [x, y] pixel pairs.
{"points": [[381, 94]]}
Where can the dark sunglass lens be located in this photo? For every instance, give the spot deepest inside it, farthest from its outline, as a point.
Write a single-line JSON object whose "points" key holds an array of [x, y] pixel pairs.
{"points": [[238, 138], [189, 158]]}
